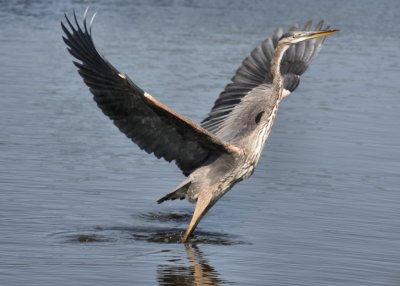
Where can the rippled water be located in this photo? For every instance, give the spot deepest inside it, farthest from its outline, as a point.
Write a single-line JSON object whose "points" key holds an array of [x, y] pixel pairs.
{"points": [[78, 200]]}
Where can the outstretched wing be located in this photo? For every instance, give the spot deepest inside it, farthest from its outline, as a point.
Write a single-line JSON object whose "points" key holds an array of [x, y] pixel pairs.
{"points": [[148, 123], [259, 105], [256, 70]]}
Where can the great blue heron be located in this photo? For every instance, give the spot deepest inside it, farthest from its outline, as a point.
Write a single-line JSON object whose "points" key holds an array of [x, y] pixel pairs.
{"points": [[225, 148]]}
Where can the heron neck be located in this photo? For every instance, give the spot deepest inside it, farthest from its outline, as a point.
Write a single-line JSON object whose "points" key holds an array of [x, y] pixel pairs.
{"points": [[277, 83]]}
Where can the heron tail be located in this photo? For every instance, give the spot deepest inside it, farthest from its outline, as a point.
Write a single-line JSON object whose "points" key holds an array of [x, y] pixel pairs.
{"points": [[179, 193]]}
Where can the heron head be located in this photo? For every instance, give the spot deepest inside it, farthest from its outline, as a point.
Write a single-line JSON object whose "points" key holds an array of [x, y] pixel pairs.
{"points": [[294, 37]]}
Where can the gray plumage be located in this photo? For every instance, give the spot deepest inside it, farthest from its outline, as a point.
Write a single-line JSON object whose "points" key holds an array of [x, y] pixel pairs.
{"points": [[255, 70], [226, 147]]}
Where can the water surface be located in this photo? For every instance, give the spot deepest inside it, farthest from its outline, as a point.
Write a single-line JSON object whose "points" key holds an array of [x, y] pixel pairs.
{"points": [[78, 199]]}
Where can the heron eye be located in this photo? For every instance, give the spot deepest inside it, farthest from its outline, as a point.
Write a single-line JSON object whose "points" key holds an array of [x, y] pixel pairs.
{"points": [[258, 117]]}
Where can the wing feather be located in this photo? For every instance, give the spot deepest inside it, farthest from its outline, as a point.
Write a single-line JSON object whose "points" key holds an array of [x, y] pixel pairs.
{"points": [[153, 126], [255, 70]]}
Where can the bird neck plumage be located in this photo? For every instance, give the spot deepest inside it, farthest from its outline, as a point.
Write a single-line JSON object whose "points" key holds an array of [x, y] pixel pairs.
{"points": [[277, 83]]}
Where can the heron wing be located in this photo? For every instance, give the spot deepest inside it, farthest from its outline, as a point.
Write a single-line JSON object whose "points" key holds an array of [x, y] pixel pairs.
{"points": [[255, 70], [151, 125], [245, 117]]}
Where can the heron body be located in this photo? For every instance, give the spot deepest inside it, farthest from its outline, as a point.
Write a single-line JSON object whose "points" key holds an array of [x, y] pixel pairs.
{"points": [[226, 147]]}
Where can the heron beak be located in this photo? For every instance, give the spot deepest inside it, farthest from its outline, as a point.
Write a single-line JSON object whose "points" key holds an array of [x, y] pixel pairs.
{"points": [[318, 34], [204, 203]]}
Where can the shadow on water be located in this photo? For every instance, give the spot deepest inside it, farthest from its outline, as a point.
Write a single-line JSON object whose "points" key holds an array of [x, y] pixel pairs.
{"points": [[195, 271], [163, 217], [149, 232], [199, 272]]}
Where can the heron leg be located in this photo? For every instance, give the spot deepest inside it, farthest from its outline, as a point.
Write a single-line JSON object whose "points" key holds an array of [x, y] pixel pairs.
{"points": [[204, 203]]}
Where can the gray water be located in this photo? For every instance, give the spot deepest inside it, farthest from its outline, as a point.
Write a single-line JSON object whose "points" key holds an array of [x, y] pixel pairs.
{"points": [[78, 199]]}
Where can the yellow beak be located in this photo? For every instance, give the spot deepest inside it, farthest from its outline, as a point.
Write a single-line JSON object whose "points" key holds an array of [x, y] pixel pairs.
{"points": [[318, 34]]}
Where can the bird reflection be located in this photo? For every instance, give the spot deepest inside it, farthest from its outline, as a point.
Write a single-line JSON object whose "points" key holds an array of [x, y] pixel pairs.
{"points": [[198, 273]]}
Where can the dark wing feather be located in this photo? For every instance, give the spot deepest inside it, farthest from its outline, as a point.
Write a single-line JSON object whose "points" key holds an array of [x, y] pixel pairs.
{"points": [[151, 125], [256, 70]]}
